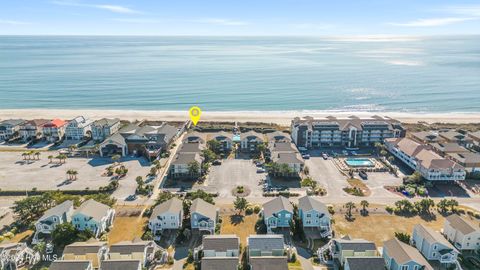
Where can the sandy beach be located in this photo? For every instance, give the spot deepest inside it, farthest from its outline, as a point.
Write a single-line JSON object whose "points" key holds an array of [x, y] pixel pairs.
{"points": [[278, 117]]}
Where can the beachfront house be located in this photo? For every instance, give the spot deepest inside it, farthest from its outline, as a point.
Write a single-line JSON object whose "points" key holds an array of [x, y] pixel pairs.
{"points": [[452, 136], [420, 158], [9, 129], [137, 249], [59, 214], [91, 250], [314, 214], [32, 129], [54, 130], [278, 136], [277, 213], [351, 132], [401, 256], [78, 128], [71, 265], [225, 140], [203, 216], [166, 216], [250, 140], [195, 137], [293, 161], [463, 233], [433, 245], [148, 141], [475, 136], [121, 265], [220, 252], [184, 163], [364, 263], [470, 161], [426, 137], [265, 251], [104, 128], [93, 216]]}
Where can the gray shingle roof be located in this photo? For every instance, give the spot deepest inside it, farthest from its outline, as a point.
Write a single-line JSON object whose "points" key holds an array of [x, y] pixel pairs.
{"points": [[269, 263], [282, 147], [267, 242], [120, 265], [222, 135], [129, 247], [58, 210], [364, 263], [462, 225], [191, 148], [106, 122], [13, 122], [308, 203], [69, 265], [174, 205], [288, 158], [357, 245], [220, 263], [202, 207], [251, 135], [403, 253], [82, 248], [276, 205], [187, 158], [94, 209], [431, 236], [278, 136], [221, 243]]}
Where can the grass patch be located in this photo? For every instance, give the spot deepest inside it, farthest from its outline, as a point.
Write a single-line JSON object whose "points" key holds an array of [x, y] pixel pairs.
{"points": [[126, 229], [295, 265], [21, 236], [242, 226], [381, 227], [357, 187]]}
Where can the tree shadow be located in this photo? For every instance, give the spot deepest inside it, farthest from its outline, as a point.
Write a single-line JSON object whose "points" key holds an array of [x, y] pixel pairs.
{"points": [[236, 219]]}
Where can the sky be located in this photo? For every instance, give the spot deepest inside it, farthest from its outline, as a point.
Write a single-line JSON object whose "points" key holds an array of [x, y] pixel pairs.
{"points": [[239, 17]]}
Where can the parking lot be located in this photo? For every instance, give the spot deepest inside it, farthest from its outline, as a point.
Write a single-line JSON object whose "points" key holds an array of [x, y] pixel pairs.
{"points": [[232, 173], [19, 174]]}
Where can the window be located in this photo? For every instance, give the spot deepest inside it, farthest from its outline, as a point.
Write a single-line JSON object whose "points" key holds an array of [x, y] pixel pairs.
{"points": [[416, 267], [287, 215], [434, 254], [404, 267], [308, 215]]}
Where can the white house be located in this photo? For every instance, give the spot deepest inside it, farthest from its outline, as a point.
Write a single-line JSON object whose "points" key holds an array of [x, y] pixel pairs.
{"points": [[464, 234], [203, 216], [104, 128], [93, 216], [314, 214], [17, 256], [78, 128], [225, 140], [167, 215], [59, 214], [401, 256], [429, 164], [433, 245], [10, 128]]}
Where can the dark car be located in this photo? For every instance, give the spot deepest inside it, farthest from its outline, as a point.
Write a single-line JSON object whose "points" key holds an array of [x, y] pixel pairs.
{"points": [[363, 175], [217, 162]]}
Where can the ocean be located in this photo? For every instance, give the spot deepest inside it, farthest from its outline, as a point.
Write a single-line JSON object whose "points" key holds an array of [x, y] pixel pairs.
{"points": [[402, 74]]}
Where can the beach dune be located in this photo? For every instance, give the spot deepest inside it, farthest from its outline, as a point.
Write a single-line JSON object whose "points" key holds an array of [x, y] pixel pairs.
{"points": [[277, 117]]}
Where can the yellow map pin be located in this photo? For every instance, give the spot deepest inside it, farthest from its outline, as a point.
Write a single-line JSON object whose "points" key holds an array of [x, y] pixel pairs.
{"points": [[195, 113]]}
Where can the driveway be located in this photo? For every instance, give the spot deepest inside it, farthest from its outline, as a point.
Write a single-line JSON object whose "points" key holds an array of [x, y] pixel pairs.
{"points": [[232, 173], [326, 174]]}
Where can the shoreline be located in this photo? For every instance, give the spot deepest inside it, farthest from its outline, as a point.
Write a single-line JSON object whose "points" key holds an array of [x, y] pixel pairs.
{"points": [[276, 117]]}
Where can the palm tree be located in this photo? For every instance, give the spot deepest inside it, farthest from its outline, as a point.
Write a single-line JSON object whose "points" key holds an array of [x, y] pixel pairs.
{"points": [[349, 206], [50, 157], [69, 174], [24, 155], [240, 204], [116, 158], [74, 174], [37, 155], [364, 205]]}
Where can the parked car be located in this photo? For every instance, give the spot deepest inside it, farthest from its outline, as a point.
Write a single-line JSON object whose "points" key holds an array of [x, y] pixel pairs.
{"points": [[345, 152], [306, 156], [217, 162], [325, 156], [131, 197], [260, 170], [363, 175], [354, 153]]}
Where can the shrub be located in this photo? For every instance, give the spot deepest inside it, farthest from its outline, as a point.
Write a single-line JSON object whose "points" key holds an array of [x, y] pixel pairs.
{"points": [[249, 211], [257, 209], [331, 210], [389, 209]]}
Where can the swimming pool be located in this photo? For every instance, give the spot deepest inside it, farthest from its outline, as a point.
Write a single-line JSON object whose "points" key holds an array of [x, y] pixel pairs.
{"points": [[359, 162]]}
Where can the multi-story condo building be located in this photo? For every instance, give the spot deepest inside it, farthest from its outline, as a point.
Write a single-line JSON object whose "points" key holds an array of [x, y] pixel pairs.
{"points": [[54, 130], [10, 128], [351, 132], [104, 128], [463, 233], [32, 129], [78, 128], [419, 157]]}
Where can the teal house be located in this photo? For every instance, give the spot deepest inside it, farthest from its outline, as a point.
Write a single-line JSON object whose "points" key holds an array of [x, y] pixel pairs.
{"points": [[278, 213]]}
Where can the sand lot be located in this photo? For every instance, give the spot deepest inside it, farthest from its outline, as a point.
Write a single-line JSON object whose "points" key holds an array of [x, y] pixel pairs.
{"points": [[18, 174]]}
